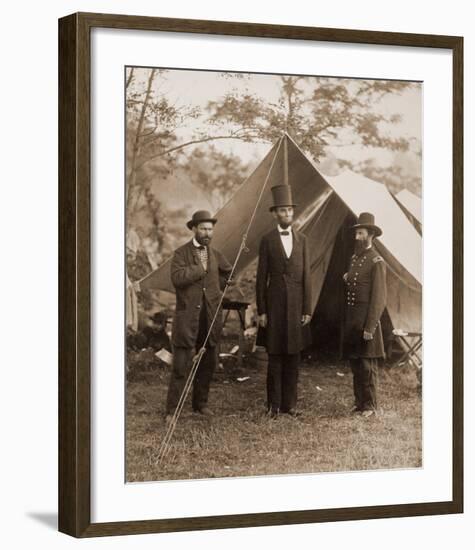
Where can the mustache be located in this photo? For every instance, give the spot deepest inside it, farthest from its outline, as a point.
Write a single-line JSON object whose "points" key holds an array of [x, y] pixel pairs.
{"points": [[203, 240]]}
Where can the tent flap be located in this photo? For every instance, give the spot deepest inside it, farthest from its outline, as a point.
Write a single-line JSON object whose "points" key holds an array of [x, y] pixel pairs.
{"points": [[399, 236], [234, 217], [323, 204]]}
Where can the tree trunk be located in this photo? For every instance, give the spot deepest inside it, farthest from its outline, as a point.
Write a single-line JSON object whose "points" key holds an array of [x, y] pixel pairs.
{"points": [[130, 78], [132, 173]]}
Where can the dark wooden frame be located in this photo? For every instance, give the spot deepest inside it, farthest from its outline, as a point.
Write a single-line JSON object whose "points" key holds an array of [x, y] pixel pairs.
{"points": [[74, 273]]}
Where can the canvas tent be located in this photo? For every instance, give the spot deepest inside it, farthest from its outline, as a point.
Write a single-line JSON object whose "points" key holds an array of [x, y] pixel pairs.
{"points": [[326, 208], [412, 206]]}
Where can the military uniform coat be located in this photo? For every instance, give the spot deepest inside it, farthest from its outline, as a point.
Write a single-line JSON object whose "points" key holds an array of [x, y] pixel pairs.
{"points": [[283, 292], [365, 299], [197, 288]]}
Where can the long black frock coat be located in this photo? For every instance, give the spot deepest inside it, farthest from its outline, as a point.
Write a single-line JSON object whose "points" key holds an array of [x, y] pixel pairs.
{"points": [[283, 292]]}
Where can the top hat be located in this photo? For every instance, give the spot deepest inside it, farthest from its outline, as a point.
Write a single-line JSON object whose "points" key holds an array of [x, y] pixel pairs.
{"points": [[282, 196], [366, 221], [200, 216]]}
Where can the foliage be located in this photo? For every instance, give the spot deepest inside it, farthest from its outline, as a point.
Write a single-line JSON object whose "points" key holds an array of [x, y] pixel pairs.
{"points": [[400, 174], [167, 141], [217, 173], [317, 112]]}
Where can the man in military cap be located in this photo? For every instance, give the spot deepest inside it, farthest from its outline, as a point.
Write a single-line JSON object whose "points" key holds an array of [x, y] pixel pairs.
{"points": [[199, 273], [283, 295], [365, 283]]}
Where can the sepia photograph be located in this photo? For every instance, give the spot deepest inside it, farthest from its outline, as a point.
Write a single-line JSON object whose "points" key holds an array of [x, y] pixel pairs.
{"points": [[273, 274]]}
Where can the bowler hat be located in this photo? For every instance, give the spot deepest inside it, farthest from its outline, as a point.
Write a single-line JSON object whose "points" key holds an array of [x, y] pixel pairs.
{"points": [[366, 221], [282, 196], [200, 216]]}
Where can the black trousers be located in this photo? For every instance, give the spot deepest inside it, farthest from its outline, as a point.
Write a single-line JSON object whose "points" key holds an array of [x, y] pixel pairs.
{"points": [[182, 363], [282, 378], [365, 382]]}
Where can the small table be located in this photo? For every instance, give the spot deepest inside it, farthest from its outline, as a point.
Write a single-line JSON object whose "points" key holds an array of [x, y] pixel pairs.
{"points": [[411, 343], [240, 308]]}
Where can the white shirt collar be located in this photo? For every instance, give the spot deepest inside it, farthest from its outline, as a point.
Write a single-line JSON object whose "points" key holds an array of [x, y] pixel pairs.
{"points": [[196, 243], [289, 229]]}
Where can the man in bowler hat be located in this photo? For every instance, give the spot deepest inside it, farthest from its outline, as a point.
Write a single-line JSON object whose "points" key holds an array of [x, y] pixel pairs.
{"points": [[363, 345], [199, 273], [283, 295]]}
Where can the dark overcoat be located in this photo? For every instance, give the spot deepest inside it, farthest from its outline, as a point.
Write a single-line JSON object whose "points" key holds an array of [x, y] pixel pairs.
{"points": [[283, 292], [365, 300], [197, 288]]}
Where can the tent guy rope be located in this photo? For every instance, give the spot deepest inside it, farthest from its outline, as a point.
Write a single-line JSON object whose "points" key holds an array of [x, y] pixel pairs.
{"points": [[165, 446]]}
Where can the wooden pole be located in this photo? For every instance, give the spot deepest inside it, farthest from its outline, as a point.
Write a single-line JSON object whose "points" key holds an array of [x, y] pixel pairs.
{"points": [[286, 162]]}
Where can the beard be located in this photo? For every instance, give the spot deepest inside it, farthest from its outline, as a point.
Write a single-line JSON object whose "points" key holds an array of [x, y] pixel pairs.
{"points": [[204, 241], [361, 246]]}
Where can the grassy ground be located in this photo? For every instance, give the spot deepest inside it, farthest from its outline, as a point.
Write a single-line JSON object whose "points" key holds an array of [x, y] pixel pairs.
{"points": [[240, 440]]}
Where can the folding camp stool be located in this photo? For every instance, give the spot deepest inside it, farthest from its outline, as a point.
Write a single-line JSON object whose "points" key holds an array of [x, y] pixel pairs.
{"points": [[411, 343]]}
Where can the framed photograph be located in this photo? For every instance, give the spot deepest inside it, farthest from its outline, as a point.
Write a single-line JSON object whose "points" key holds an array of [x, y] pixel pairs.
{"points": [[260, 275]]}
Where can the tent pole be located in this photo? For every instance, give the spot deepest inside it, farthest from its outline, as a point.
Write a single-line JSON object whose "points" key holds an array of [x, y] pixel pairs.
{"points": [[286, 162], [165, 446]]}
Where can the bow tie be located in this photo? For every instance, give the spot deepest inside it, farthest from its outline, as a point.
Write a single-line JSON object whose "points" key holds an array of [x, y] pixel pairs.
{"points": [[201, 247], [284, 233]]}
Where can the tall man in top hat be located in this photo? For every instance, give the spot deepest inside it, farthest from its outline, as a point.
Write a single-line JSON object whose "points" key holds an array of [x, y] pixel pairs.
{"points": [[199, 273], [283, 293], [363, 345]]}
